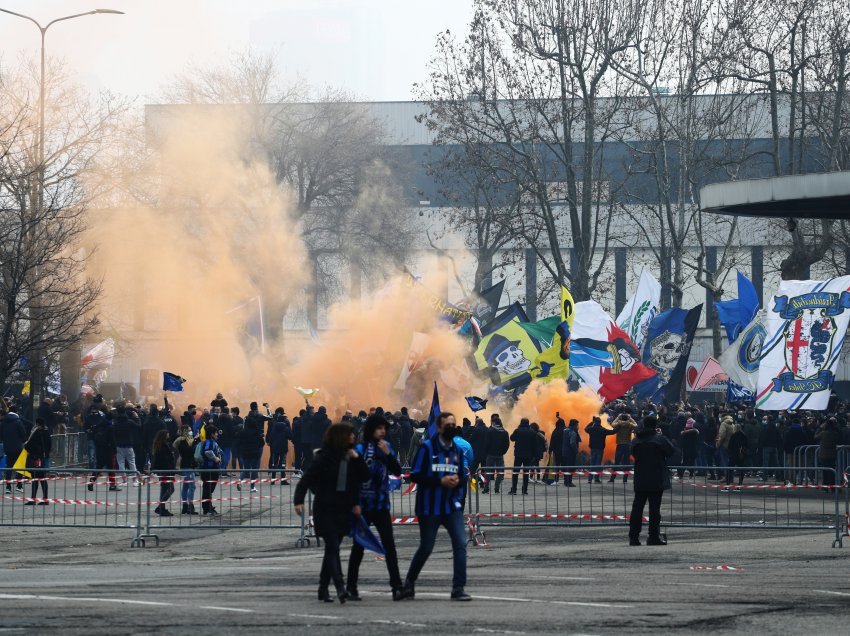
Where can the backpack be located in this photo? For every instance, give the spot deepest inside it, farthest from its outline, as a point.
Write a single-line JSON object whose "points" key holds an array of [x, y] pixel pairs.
{"points": [[569, 443], [200, 460]]}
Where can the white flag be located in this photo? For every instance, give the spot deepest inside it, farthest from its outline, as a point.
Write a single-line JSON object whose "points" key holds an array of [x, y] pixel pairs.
{"points": [[741, 360], [635, 317], [415, 357], [806, 325]]}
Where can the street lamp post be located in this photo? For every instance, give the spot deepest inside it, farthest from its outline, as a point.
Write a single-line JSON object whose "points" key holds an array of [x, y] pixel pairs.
{"points": [[36, 367]]}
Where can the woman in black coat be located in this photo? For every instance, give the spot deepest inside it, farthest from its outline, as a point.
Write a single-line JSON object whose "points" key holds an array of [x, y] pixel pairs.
{"points": [[334, 478], [652, 477], [38, 450]]}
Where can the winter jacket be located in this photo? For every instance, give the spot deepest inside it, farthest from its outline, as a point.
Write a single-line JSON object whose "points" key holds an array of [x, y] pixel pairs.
{"points": [[689, 439], [525, 442], [332, 509], [623, 430], [319, 423], [124, 430], [279, 434], [597, 435], [770, 437], [406, 427], [794, 437], [478, 439], [249, 441], [163, 461], [557, 438], [829, 440], [151, 426], [738, 448], [651, 451], [38, 445], [394, 435], [13, 435], [541, 445], [724, 433], [227, 436], [498, 441], [569, 444]]}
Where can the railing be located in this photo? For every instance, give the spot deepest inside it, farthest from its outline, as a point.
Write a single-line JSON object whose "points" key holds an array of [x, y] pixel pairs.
{"points": [[263, 500], [69, 450]]}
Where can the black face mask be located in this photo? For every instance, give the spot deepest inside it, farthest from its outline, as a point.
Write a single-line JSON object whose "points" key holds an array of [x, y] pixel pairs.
{"points": [[449, 433]]}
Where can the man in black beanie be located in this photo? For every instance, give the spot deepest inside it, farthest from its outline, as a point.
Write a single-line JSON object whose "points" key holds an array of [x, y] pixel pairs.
{"points": [[652, 477]]}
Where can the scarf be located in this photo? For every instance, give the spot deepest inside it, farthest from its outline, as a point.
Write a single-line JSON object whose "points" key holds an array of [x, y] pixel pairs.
{"points": [[342, 475]]}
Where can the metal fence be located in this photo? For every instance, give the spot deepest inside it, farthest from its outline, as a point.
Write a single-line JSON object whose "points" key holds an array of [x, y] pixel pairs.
{"points": [[69, 450], [600, 496], [116, 500]]}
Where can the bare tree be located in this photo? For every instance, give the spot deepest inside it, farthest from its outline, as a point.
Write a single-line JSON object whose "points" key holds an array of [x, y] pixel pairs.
{"points": [[47, 302]]}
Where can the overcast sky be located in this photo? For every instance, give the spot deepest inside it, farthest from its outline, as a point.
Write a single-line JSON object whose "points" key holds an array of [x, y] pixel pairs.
{"points": [[374, 48]]}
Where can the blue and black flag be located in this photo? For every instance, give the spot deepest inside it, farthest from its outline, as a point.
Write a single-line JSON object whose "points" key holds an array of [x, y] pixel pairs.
{"points": [[172, 381]]}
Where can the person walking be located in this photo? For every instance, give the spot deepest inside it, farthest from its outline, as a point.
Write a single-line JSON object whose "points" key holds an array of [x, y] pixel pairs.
{"points": [[498, 443], [440, 474], [525, 449], [163, 465], [374, 501], [334, 477], [650, 449]]}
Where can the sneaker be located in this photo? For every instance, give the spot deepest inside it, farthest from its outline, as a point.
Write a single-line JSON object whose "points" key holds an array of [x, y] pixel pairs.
{"points": [[29, 503], [460, 595], [284, 482], [656, 541], [8, 491], [43, 503], [726, 489], [166, 513], [90, 487], [512, 492], [114, 489], [239, 487], [254, 490], [19, 488]]}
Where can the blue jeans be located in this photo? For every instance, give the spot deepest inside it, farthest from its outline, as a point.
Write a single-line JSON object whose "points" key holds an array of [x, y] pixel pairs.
{"points": [[225, 456], [250, 466], [187, 490], [92, 455], [428, 527], [595, 462], [622, 457]]}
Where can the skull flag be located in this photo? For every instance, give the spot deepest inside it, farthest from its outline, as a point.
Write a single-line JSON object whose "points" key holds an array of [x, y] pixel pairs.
{"points": [[666, 351], [806, 326], [506, 351]]}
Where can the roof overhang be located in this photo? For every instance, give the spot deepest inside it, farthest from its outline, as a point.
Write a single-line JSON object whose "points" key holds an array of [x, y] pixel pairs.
{"points": [[807, 196]]}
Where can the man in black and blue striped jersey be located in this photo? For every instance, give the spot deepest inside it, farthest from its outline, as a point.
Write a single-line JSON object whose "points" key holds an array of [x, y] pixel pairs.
{"points": [[440, 474]]}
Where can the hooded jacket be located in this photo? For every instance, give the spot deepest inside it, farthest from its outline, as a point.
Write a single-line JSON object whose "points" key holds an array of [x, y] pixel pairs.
{"points": [[478, 439], [651, 450], [525, 442], [724, 433]]}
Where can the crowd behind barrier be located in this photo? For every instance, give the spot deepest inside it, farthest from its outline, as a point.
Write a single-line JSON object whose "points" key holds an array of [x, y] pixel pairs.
{"points": [[129, 481]]}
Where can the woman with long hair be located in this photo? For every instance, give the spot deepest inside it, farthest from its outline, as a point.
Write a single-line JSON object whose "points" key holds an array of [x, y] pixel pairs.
{"points": [[163, 465], [334, 478]]}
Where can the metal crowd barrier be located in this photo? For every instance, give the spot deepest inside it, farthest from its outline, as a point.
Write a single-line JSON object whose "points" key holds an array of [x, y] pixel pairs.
{"points": [[117, 500], [264, 501], [805, 459], [693, 501], [69, 450]]}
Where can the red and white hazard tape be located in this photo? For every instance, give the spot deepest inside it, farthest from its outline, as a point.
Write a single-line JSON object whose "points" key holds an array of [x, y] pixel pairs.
{"points": [[553, 515], [715, 568], [127, 504]]}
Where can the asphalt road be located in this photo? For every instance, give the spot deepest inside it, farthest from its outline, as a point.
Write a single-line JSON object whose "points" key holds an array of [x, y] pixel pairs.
{"points": [[530, 580]]}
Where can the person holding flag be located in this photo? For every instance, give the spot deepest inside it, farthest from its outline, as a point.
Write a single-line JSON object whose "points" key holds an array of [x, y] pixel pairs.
{"points": [[381, 459], [440, 474]]}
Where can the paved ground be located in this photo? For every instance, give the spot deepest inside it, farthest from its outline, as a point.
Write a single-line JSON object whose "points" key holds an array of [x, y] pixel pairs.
{"points": [[531, 580]]}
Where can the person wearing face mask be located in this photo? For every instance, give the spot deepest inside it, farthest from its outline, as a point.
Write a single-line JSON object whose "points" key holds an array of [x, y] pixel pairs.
{"points": [[440, 473]]}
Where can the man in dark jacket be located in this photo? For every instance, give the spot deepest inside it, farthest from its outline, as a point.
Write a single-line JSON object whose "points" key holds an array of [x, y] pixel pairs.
{"points": [[569, 449], [13, 436], [525, 448], [770, 443], [555, 442], [652, 477], [478, 440], [406, 427], [498, 443], [466, 429], [318, 424], [150, 427], [125, 429], [278, 440], [794, 438], [597, 434], [251, 444]]}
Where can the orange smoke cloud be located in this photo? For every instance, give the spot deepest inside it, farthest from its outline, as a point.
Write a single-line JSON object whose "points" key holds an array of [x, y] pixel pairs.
{"points": [[543, 400]]}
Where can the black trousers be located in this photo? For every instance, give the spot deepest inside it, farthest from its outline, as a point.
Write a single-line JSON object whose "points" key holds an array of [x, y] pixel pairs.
{"points": [[210, 482], [384, 525], [331, 565], [527, 462], [636, 519]]}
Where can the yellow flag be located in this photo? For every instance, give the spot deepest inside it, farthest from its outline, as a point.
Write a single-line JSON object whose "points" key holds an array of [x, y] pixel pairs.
{"points": [[26, 388], [554, 362], [203, 433], [21, 464]]}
